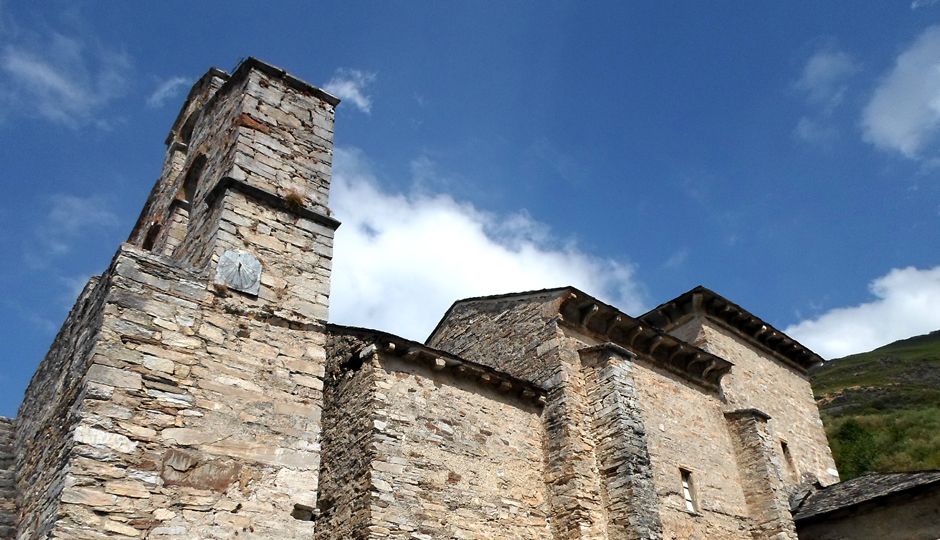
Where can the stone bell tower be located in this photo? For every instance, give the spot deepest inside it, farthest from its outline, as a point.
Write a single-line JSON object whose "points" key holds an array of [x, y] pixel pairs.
{"points": [[182, 397], [248, 169]]}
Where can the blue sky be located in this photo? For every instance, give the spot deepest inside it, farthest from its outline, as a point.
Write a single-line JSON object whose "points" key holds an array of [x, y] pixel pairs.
{"points": [[783, 154]]}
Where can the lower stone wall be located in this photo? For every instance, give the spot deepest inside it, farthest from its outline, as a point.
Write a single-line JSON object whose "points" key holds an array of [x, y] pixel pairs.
{"points": [[456, 458], [49, 413], [7, 492], [169, 409], [686, 429], [419, 453]]}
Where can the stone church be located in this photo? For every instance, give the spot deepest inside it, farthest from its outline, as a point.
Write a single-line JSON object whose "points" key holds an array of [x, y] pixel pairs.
{"points": [[197, 390]]}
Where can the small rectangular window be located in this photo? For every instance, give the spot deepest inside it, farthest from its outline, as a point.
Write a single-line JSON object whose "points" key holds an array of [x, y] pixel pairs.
{"points": [[788, 458], [688, 490]]}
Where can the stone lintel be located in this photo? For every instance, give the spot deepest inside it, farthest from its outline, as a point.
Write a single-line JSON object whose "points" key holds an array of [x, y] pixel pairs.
{"points": [[609, 349], [271, 199], [745, 413]]}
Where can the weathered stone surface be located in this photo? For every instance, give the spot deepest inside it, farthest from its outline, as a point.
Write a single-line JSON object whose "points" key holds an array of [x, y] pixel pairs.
{"points": [[170, 406], [761, 379]]}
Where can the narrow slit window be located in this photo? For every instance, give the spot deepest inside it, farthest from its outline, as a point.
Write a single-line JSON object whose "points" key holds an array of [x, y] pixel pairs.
{"points": [[788, 458], [688, 490]]}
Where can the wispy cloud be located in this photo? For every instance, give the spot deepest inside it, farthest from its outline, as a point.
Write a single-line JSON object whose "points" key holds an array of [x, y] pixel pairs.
{"points": [[904, 304], [68, 219], [918, 4], [903, 114], [677, 259], [64, 79], [165, 90], [815, 131], [350, 85], [401, 259], [823, 83], [824, 79]]}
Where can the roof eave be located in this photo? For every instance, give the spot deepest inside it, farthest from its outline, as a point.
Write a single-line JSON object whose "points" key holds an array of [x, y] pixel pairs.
{"points": [[706, 302]]}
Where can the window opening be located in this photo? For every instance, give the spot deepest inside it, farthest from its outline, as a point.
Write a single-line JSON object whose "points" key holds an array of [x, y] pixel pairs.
{"points": [[788, 457], [151, 237], [191, 182], [688, 490]]}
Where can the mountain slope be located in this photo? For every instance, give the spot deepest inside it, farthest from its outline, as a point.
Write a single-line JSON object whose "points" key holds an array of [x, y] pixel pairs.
{"points": [[882, 408]]}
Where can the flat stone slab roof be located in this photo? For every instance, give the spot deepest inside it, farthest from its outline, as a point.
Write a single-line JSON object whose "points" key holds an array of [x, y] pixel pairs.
{"points": [[863, 489]]}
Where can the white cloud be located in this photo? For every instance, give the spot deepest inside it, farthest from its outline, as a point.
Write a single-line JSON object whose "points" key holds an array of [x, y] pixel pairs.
{"points": [[903, 114], [63, 79], [166, 90], [69, 218], [904, 305], [824, 77], [350, 85], [400, 260]]}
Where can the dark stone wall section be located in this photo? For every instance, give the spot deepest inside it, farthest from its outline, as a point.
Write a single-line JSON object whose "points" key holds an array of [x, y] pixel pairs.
{"points": [[7, 494]]}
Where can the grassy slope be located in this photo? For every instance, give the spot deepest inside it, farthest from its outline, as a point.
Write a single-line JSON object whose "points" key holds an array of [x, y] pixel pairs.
{"points": [[882, 408]]}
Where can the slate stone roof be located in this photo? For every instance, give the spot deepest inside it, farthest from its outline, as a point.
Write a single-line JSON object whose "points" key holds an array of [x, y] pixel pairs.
{"points": [[863, 489], [706, 301], [607, 323]]}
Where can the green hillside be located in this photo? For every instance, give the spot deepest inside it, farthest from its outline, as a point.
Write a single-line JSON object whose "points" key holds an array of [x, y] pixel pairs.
{"points": [[882, 408]]}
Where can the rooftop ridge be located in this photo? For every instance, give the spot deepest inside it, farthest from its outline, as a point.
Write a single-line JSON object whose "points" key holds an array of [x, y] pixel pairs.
{"points": [[494, 298], [581, 310]]}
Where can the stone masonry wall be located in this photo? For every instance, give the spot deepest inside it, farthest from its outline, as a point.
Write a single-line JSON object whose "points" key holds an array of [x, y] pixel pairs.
{"points": [[296, 253], [455, 459], [268, 136], [416, 453], [344, 509], [685, 428], [7, 493], [520, 335], [49, 413], [165, 189], [622, 449], [509, 335], [764, 488], [199, 415], [760, 380]]}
